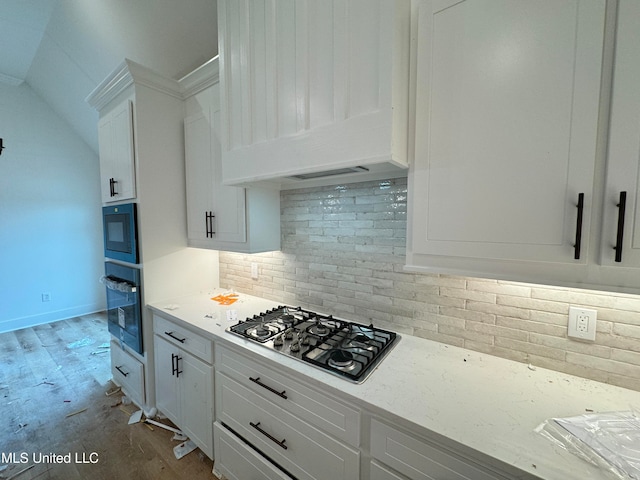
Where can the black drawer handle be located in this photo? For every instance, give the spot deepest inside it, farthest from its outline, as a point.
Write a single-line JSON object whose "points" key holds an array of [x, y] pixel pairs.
{"points": [[269, 436], [181, 340], [271, 389], [576, 247], [622, 204], [121, 371]]}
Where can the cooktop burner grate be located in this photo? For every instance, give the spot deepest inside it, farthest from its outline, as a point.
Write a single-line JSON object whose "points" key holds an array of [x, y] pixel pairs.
{"points": [[346, 349]]}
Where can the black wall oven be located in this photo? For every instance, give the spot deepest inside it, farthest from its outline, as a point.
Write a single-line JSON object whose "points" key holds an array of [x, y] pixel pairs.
{"points": [[120, 232], [124, 312]]}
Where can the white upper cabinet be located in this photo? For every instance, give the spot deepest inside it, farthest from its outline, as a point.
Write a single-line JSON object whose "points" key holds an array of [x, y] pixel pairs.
{"points": [[214, 211], [221, 217], [117, 160], [623, 159], [507, 112], [310, 87]]}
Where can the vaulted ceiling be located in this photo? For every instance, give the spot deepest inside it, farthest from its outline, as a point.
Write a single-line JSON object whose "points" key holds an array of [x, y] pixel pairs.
{"points": [[64, 48]]}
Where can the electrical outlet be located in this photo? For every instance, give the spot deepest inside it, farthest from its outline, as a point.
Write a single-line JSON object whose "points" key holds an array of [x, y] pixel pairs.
{"points": [[582, 323], [254, 270], [46, 297]]}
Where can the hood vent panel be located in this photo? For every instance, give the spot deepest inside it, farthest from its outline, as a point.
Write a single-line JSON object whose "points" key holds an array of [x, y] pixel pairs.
{"points": [[328, 173]]}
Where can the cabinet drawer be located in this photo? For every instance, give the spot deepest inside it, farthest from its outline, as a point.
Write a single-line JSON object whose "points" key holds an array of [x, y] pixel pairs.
{"points": [[299, 448], [187, 340], [313, 407], [380, 472], [419, 459], [237, 461], [128, 373]]}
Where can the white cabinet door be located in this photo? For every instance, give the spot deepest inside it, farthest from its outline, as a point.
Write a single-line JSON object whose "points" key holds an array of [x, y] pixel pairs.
{"points": [[166, 380], [117, 165], [623, 161], [506, 125], [219, 216], [215, 211], [184, 392], [195, 382]]}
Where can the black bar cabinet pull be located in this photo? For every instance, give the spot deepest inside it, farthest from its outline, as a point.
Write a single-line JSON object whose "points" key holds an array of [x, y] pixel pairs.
{"points": [[576, 251], [112, 187], [622, 205], [181, 340], [178, 371], [208, 219], [122, 371], [174, 366], [269, 436], [271, 389]]}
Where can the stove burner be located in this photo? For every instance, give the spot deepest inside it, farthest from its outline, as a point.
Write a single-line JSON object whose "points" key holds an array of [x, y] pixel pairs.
{"points": [[260, 332], [362, 341], [360, 338], [319, 329], [340, 359], [287, 319]]}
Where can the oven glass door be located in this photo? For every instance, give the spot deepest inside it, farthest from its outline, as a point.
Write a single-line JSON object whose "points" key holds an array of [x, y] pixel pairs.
{"points": [[123, 313]]}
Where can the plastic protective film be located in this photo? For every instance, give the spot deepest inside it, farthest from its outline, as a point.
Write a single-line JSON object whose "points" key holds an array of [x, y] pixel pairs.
{"points": [[611, 441]]}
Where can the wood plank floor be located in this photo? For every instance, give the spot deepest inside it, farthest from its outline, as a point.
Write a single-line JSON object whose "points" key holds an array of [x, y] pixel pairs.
{"points": [[51, 371]]}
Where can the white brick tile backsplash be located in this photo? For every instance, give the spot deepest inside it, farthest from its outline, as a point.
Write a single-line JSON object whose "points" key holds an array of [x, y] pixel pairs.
{"points": [[343, 252]]}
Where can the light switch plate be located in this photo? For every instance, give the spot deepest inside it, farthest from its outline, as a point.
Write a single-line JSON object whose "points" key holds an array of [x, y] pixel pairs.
{"points": [[582, 323]]}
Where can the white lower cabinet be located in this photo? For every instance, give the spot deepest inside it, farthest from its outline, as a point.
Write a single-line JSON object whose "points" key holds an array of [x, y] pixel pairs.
{"points": [[128, 373], [419, 459], [237, 462], [184, 383], [329, 415], [380, 472], [271, 424], [277, 427]]}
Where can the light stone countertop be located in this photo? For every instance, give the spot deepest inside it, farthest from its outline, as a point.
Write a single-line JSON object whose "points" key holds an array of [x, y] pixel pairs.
{"points": [[482, 405]]}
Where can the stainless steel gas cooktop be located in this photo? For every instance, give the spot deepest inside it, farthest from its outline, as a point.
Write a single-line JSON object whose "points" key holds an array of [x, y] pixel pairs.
{"points": [[346, 349]]}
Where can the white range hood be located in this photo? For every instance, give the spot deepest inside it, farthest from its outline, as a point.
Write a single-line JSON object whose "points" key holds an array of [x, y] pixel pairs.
{"points": [[318, 95]]}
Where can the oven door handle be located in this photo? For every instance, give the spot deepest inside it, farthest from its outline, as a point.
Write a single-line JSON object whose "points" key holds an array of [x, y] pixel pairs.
{"points": [[271, 389], [118, 285]]}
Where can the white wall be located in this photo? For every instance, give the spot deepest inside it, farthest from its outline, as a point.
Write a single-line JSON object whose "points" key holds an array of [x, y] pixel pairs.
{"points": [[50, 215], [85, 40]]}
